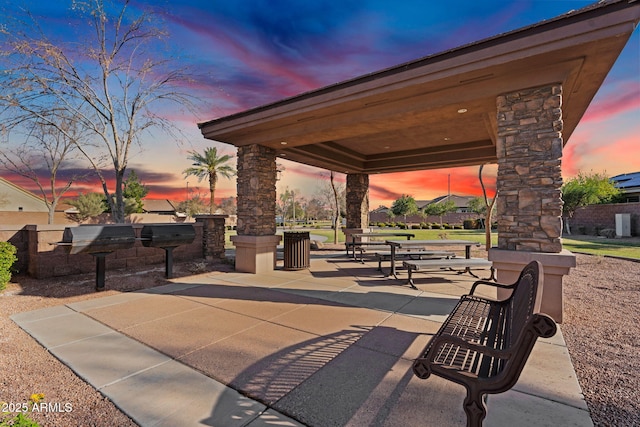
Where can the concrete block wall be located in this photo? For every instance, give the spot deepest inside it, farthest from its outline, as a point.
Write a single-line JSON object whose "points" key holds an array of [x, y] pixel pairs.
{"points": [[604, 216], [43, 259]]}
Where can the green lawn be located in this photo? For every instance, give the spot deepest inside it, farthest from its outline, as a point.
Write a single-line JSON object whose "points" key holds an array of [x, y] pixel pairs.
{"points": [[628, 248], [473, 235]]}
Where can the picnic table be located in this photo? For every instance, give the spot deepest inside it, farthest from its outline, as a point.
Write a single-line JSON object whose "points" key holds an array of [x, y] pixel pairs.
{"points": [[359, 244], [406, 244]]}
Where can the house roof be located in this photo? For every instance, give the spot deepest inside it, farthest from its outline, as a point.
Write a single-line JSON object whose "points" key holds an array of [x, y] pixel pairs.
{"points": [[627, 181], [21, 196], [440, 110], [460, 201], [156, 206]]}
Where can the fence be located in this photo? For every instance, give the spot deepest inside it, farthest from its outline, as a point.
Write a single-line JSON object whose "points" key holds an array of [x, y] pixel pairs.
{"points": [[591, 218]]}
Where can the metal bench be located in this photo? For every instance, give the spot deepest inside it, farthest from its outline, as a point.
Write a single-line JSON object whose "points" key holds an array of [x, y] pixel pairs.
{"points": [[462, 265], [484, 344], [416, 254]]}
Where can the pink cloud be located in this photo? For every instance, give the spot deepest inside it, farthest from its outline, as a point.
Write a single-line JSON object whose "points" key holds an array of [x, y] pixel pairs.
{"points": [[624, 99]]}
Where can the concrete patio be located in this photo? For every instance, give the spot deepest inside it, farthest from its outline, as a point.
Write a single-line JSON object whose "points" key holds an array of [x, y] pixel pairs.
{"points": [[328, 346]]}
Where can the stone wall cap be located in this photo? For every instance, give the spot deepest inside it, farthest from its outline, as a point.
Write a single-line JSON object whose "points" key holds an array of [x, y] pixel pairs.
{"points": [[211, 216], [564, 258]]}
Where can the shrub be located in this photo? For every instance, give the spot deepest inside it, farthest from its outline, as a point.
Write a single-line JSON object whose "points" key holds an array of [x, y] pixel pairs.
{"points": [[415, 226], [469, 224], [609, 233], [7, 259], [382, 224]]}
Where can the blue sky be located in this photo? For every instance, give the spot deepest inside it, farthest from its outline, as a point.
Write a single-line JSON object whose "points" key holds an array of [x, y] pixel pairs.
{"points": [[246, 53]]}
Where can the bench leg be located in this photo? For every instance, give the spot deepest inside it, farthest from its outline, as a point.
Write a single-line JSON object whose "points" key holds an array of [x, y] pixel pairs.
{"points": [[475, 408], [410, 282]]}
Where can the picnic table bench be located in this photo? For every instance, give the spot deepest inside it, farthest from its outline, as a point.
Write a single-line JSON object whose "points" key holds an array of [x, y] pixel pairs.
{"points": [[399, 245], [484, 343], [462, 265], [416, 254], [368, 244]]}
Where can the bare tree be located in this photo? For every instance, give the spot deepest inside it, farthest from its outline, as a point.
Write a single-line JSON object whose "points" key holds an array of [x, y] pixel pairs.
{"points": [[489, 211], [109, 83], [336, 207], [42, 158], [332, 194]]}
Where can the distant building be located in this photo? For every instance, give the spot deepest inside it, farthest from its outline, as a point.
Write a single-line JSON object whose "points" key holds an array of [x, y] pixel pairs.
{"points": [[159, 207], [629, 184], [20, 207], [461, 202], [16, 199], [381, 214]]}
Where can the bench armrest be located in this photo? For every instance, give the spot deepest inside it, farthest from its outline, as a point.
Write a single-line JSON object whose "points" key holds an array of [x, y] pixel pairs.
{"points": [[489, 283]]}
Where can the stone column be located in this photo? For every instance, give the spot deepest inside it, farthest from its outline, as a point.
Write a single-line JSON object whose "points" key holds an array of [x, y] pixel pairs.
{"points": [[529, 149], [357, 204], [213, 232], [256, 242]]}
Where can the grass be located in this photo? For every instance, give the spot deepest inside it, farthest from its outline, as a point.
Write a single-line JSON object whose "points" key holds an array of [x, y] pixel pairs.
{"points": [[627, 248], [473, 235]]}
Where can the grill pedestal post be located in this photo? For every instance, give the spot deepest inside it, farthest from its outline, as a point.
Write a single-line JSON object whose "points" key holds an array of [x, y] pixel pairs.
{"points": [[100, 269], [168, 262]]}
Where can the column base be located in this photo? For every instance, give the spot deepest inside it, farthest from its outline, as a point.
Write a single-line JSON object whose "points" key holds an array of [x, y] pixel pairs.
{"points": [[509, 264], [349, 231], [256, 254]]}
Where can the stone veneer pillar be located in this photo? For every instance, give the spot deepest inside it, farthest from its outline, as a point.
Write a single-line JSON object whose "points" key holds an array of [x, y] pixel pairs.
{"points": [[256, 242], [529, 149], [357, 204], [213, 232]]}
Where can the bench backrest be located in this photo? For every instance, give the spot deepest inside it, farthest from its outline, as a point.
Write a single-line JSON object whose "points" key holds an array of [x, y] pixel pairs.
{"points": [[524, 301]]}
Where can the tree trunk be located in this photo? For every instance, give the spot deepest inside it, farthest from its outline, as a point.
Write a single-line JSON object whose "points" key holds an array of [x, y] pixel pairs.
{"points": [[336, 216], [566, 226], [212, 191], [119, 215]]}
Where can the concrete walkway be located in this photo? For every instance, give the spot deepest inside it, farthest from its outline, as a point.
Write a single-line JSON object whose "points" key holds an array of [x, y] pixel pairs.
{"points": [[329, 346]]}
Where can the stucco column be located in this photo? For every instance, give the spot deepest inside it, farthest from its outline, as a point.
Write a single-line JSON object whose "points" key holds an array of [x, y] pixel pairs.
{"points": [[529, 149], [357, 204], [256, 242]]}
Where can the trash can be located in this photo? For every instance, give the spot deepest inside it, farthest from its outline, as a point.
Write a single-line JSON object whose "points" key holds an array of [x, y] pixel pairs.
{"points": [[297, 248]]}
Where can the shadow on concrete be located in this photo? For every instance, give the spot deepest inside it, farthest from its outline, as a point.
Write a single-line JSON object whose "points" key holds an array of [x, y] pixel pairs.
{"points": [[398, 303], [323, 381]]}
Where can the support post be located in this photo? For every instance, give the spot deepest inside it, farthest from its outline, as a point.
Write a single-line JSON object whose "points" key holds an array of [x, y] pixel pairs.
{"points": [[256, 242], [529, 148], [357, 205]]}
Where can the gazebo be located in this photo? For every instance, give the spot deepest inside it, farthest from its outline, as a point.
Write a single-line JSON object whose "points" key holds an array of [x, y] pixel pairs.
{"points": [[513, 99]]}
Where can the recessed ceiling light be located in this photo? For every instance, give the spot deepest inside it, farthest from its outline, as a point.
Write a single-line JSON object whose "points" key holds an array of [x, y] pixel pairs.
{"points": [[447, 139], [283, 143], [386, 147], [462, 110]]}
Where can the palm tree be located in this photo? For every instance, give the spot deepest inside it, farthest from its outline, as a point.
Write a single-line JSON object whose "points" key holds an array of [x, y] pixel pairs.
{"points": [[209, 166]]}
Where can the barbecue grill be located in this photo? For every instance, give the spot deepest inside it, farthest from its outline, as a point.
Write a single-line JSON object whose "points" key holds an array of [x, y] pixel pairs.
{"points": [[99, 241], [167, 237]]}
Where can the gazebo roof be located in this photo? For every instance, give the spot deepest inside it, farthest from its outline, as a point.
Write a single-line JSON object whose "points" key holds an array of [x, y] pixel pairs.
{"points": [[438, 111]]}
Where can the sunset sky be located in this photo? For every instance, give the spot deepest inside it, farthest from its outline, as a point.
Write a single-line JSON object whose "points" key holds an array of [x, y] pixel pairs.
{"points": [[249, 52]]}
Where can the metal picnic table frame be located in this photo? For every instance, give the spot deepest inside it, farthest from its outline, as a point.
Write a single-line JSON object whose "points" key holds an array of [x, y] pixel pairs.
{"points": [[386, 234], [399, 244]]}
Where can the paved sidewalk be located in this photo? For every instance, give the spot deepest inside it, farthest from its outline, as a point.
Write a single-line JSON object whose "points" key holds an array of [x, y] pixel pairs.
{"points": [[329, 346]]}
